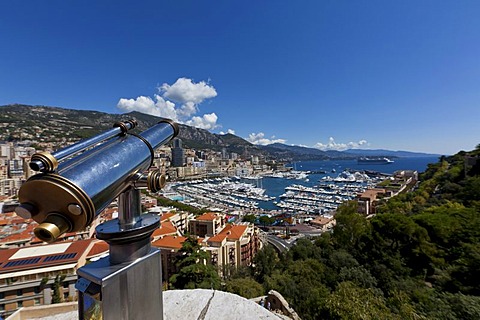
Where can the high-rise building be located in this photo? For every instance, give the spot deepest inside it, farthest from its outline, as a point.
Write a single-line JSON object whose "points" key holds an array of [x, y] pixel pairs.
{"points": [[178, 153]]}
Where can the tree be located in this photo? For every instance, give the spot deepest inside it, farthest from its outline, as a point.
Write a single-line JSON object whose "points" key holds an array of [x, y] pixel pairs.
{"points": [[245, 287], [350, 226], [266, 220], [265, 262], [249, 218], [301, 283], [352, 302], [194, 270], [57, 295]]}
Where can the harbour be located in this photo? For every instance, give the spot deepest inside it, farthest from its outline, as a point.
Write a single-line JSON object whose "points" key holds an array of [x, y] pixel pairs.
{"points": [[313, 188]]}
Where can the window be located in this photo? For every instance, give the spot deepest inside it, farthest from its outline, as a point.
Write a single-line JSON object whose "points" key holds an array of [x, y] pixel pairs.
{"points": [[65, 295], [65, 285], [36, 301], [36, 289], [2, 307], [2, 295], [19, 292], [19, 304]]}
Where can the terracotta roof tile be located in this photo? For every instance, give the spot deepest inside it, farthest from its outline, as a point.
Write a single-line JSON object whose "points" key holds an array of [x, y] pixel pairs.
{"points": [[209, 216], [218, 238], [236, 232], [166, 216], [166, 227], [17, 237], [169, 242], [99, 247]]}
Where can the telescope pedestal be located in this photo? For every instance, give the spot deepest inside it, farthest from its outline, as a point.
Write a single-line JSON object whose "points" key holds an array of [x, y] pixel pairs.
{"points": [[131, 290], [128, 283]]}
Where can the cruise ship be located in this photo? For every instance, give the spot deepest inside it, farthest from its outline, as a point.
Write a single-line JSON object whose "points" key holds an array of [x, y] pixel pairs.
{"points": [[367, 160]]}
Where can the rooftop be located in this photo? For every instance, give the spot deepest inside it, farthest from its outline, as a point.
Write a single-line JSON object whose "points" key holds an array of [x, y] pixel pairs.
{"points": [[170, 242], [209, 216], [166, 228], [41, 256]]}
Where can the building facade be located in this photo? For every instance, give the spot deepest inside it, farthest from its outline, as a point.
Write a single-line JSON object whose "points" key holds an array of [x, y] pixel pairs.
{"points": [[39, 275]]}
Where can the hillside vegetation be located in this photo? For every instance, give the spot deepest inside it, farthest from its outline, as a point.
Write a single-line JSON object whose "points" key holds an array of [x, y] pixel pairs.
{"points": [[42, 124], [418, 259]]}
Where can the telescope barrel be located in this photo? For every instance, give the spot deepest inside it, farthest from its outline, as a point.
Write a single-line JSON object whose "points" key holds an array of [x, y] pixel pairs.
{"points": [[70, 200], [45, 162]]}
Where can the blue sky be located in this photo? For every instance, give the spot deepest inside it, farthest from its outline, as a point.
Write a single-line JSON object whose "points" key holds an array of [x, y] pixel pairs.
{"points": [[400, 75]]}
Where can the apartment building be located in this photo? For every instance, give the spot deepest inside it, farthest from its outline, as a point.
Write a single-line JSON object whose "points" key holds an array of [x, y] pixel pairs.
{"points": [[28, 276], [229, 245], [208, 224], [368, 199]]}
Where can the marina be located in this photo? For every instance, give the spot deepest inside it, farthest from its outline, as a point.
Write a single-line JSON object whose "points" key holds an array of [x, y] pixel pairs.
{"points": [[310, 194], [310, 188]]}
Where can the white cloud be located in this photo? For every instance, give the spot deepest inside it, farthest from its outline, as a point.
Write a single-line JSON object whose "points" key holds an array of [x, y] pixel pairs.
{"points": [[332, 145], [184, 91], [230, 131], [207, 121], [159, 108], [259, 138]]}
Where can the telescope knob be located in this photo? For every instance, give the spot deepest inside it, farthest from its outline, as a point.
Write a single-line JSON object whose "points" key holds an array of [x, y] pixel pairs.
{"points": [[26, 210], [156, 181], [153, 181]]}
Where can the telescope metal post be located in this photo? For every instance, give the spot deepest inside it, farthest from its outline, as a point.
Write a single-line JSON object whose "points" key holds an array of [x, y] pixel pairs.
{"points": [[129, 207], [127, 284]]}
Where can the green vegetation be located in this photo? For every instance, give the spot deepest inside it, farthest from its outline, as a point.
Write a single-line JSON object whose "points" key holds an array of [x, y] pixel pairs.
{"points": [[57, 294], [194, 271], [418, 259]]}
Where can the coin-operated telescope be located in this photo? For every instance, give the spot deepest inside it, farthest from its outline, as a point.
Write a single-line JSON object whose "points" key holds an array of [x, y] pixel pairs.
{"points": [[74, 185]]}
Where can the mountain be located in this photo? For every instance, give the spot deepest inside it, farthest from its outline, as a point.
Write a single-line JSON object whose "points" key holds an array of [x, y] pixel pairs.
{"points": [[388, 153], [41, 124], [298, 153]]}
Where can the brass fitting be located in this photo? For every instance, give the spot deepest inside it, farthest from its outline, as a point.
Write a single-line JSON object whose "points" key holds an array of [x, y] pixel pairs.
{"points": [[155, 181], [60, 207], [52, 227], [43, 161]]}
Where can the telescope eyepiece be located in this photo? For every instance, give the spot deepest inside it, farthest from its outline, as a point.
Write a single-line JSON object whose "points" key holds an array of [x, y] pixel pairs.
{"points": [[44, 162], [53, 227], [36, 165], [125, 125]]}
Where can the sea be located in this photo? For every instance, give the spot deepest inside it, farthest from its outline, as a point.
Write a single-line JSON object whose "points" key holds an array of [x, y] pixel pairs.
{"points": [[274, 187]]}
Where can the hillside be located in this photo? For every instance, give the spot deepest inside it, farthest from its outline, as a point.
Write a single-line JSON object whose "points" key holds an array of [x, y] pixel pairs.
{"points": [[389, 153], [60, 126], [298, 153], [419, 258]]}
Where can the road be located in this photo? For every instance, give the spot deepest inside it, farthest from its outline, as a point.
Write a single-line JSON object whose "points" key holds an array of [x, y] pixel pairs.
{"points": [[278, 243]]}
